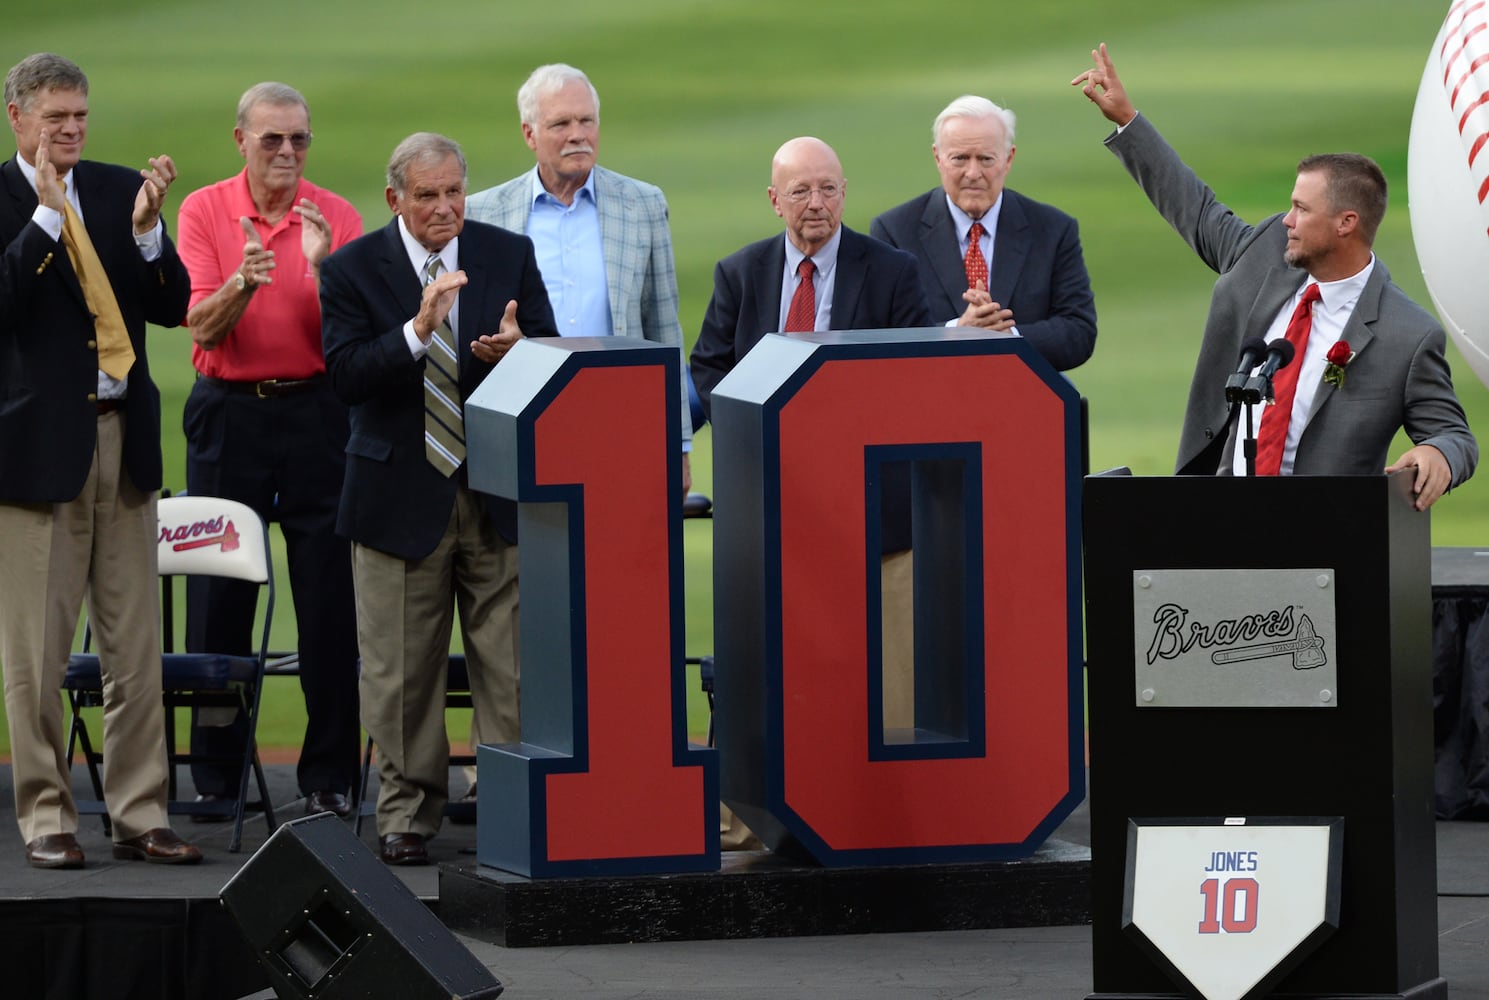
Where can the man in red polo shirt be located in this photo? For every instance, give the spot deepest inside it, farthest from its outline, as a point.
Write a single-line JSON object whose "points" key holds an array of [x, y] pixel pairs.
{"points": [[262, 426]]}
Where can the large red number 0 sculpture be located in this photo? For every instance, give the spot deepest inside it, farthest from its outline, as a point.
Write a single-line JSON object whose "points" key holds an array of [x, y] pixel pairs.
{"points": [[800, 428], [585, 433]]}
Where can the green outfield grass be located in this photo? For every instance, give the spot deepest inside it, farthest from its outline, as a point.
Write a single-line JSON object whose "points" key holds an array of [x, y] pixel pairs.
{"points": [[697, 95]]}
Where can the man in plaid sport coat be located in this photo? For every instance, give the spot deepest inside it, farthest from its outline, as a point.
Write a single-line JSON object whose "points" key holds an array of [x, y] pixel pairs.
{"points": [[602, 240], [623, 283]]}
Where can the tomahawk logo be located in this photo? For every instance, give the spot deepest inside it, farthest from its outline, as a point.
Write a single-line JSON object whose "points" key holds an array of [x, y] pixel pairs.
{"points": [[200, 535], [1175, 635], [1306, 648]]}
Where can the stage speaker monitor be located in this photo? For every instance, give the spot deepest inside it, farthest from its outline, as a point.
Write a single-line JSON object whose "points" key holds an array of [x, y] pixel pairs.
{"points": [[329, 921]]}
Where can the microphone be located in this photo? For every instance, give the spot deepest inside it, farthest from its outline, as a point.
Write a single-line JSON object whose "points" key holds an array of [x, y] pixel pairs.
{"points": [[1252, 350], [1279, 354]]}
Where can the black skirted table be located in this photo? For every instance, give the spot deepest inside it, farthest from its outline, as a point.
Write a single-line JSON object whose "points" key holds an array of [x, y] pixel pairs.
{"points": [[1460, 682]]}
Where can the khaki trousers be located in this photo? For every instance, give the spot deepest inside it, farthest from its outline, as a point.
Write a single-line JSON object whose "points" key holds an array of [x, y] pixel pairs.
{"points": [[405, 614], [100, 545]]}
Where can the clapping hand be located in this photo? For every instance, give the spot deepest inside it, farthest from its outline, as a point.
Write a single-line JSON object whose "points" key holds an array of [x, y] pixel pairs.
{"points": [[158, 178], [315, 233], [257, 262], [491, 348]]}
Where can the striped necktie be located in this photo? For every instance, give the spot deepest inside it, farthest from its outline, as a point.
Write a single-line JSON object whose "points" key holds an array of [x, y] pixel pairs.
{"points": [[444, 420]]}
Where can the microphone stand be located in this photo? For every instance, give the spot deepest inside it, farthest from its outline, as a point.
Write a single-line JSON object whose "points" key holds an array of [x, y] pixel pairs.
{"points": [[1248, 446], [1257, 388], [1241, 391]]}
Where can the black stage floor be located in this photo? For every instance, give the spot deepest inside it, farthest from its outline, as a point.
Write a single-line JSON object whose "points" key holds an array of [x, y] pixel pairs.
{"points": [[59, 914]]}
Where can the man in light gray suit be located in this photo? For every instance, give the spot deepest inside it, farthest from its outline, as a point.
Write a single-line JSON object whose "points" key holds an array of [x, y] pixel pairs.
{"points": [[602, 238], [1390, 372]]}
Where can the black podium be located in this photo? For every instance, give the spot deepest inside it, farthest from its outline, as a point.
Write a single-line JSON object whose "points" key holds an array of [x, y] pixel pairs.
{"points": [[1259, 651]]}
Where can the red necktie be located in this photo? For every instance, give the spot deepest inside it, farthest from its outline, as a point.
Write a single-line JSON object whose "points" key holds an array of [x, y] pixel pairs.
{"points": [[802, 316], [976, 264], [1273, 436]]}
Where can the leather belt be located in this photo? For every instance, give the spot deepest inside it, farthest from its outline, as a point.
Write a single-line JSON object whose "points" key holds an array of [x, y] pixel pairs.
{"points": [[270, 388], [108, 405]]}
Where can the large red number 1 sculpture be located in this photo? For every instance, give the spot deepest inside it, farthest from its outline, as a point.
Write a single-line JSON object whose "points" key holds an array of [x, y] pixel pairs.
{"points": [[809, 435], [585, 433]]}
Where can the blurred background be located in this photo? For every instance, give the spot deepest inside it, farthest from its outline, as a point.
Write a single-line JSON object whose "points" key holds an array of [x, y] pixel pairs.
{"points": [[696, 95]]}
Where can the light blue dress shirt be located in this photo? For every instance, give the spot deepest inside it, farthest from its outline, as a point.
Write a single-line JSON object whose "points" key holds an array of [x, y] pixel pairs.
{"points": [[566, 239]]}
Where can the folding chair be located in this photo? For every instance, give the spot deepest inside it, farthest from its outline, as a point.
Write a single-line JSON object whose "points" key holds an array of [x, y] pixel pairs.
{"points": [[457, 695], [206, 536]]}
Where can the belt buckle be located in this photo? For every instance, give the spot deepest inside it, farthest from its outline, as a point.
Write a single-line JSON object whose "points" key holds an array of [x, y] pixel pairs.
{"points": [[258, 387]]}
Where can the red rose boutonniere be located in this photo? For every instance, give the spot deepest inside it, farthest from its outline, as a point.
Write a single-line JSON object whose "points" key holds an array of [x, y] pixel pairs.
{"points": [[1338, 359]]}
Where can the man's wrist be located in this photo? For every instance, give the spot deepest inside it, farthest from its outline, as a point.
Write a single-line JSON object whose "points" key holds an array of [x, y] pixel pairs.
{"points": [[243, 283]]}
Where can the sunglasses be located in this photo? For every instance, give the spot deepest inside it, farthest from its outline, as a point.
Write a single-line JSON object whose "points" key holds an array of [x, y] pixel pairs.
{"points": [[271, 141]]}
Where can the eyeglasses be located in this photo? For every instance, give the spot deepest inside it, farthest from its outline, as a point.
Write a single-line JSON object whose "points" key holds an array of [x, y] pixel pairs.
{"points": [[798, 196], [271, 141]]}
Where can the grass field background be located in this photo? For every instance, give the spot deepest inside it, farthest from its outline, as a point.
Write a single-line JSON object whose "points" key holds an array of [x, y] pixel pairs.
{"points": [[696, 96]]}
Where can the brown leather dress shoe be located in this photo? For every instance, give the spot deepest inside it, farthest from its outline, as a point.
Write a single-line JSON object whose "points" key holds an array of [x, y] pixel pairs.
{"points": [[404, 849], [328, 802], [54, 850], [160, 846]]}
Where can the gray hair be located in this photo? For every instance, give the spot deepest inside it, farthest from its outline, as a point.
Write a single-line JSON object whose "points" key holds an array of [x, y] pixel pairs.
{"points": [[421, 147], [971, 106], [276, 94], [546, 80], [42, 71]]}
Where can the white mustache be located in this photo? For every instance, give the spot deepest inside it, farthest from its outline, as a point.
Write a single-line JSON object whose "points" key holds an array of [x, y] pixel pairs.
{"points": [[572, 150]]}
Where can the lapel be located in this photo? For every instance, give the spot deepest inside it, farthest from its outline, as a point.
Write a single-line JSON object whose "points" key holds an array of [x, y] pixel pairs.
{"points": [[1280, 284], [399, 278], [769, 269], [612, 246], [848, 286], [1010, 249], [24, 198], [514, 203], [1359, 330], [938, 243], [476, 266]]}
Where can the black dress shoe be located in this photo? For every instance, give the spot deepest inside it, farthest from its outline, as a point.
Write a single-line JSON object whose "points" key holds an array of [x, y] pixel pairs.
{"points": [[328, 802], [223, 807], [404, 849], [54, 850], [160, 846]]}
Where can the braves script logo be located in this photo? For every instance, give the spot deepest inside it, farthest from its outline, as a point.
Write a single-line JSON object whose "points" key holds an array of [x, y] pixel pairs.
{"points": [[1465, 48], [1175, 635], [200, 534]]}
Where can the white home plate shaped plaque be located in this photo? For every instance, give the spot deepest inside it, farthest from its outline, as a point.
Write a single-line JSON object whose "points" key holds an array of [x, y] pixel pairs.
{"points": [[1230, 906]]}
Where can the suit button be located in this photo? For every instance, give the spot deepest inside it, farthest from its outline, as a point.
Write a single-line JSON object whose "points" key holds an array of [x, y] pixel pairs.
{"points": [[92, 397], [1209, 434], [92, 345]]}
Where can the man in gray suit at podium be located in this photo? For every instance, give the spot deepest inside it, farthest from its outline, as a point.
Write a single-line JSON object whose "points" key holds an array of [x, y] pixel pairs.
{"points": [[1368, 362]]}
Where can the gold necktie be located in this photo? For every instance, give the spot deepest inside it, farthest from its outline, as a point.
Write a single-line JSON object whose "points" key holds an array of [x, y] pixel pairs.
{"points": [[115, 353]]}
